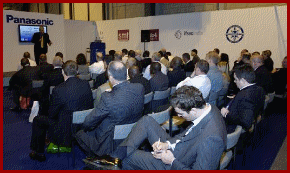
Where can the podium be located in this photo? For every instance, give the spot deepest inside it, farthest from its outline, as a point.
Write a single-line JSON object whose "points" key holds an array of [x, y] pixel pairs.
{"points": [[96, 47]]}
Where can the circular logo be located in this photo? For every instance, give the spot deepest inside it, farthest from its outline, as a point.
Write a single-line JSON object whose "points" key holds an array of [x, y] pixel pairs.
{"points": [[178, 34], [235, 34]]}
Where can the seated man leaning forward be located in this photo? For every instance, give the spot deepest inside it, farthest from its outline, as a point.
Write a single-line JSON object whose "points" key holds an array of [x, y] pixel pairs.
{"points": [[122, 105], [199, 146]]}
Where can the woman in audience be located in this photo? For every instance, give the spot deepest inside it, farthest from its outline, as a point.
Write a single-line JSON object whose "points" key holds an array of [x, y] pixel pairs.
{"points": [[226, 81], [176, 74], [83, 68]]}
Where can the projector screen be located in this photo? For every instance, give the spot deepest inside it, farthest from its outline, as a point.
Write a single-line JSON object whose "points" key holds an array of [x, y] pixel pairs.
{"points": [[26, 32]]}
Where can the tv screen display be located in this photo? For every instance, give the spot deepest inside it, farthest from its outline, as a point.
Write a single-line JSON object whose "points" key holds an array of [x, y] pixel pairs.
{"points": [[26, 32]]}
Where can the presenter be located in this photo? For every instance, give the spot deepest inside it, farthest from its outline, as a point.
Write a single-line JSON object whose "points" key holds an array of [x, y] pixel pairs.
{"points": [[40, 40]]}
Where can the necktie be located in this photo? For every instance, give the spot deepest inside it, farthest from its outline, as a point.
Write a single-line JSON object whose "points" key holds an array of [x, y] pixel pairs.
{"points": [[41, 42]]}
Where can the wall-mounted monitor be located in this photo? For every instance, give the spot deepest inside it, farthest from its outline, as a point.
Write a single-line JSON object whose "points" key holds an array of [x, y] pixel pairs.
{"points": [[26, 32]]}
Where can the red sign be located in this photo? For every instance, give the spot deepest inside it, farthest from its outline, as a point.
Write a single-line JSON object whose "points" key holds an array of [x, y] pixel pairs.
{"points": [[154, 34], [123, 35]]}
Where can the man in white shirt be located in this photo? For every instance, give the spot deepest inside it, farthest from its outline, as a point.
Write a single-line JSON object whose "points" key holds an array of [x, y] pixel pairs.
{"points": [[198, 147], [155, 58], [199, 78], [99, 66], [124, 55], [31, 62]]}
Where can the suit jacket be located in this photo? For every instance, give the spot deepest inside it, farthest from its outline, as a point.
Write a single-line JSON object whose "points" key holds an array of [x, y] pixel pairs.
{"points": [[44, 69], [145, 62], [140, 79], [72, 95], [244, 107], [22, 80], [37, 44], [189, 67], [264, 79], [159, 82], [123, 105], [101, 79], [176, 76]]}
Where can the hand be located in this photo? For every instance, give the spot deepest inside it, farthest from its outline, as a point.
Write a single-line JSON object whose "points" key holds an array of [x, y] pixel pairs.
{"points": [[166, 157], [224, 112], [159, 148], [49, 43]]}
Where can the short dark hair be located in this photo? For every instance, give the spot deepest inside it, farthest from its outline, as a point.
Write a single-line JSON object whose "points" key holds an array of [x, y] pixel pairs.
{"points": [[246, 56], [131, 53], [155, 67], [186, 98], [216, 50], [24, 62], [194, 50], [125, 51], [70, 68], [133, 71], [42, 58], [117, 70], [186, 56], [112, 52], [26, 55], [81, 59], [267, 53], [225, 57], [245, 71], [168, 53], [59, 54], [161, 53], [176, 62], [146, 53], [203, 65]]}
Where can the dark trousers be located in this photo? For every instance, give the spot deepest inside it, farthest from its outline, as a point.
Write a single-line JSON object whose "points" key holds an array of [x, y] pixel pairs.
{"points": [[16, 96], [40, 126], [146, 128]]}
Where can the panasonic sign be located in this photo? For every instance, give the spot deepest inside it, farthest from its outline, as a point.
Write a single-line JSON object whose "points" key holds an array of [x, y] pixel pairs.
{"points": [[10, 18]]}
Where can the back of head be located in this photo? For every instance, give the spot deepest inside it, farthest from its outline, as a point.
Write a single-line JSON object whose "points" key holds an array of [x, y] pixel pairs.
{"points": [[131, 62], [24, 62], [112, 52], [246, 72], [186, 98], [131, 53], [267, 53], [42, 59], [118, 56], [257, 59], [125, 51], [81, 59], [225, 57], [186, 57], [255, 53], [194, 50], [70, 68], [284, 62], [155, 67], [26, 55], [161, 53], [216, 50], [59, 54], [244, 51], [156, 56], [117, 70], [133, 71], [246, 57], [203, 66], [213, 56], [146, 53], [168, 53], [57, 61], [176, 62], [99, 56]]}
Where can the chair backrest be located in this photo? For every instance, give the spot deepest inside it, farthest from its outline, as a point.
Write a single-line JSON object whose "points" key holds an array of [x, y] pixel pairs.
{"points": [[79, 116], [84, 77], [163, 116], [148, 97], [159, 95], [94, 93], [122, 131], [94, 76], [232, 138], [173, 89], [50, 89], [91, 82], [37, 83]]}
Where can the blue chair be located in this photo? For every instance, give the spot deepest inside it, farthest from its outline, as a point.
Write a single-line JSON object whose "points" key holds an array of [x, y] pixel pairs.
{"points": [[173, 89], [160, 98], [163, 116]]}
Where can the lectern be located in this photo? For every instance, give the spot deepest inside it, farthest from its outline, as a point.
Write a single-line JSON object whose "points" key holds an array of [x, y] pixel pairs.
{"points": [[95, 47]]}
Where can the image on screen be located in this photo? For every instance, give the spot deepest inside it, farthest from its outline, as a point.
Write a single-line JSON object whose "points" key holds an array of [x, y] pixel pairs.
{"points": [[26, 32]]}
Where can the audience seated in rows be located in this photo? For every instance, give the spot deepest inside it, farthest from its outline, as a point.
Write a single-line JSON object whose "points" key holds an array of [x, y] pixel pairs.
{"points": [[199, 78], [248, 102], [137, 77], [123, 105], [176, 74], [99, 66], [198, 147], [31, 62], [72, 95], [155, 58]]}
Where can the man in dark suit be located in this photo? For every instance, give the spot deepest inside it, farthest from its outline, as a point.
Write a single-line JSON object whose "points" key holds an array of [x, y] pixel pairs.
{"points": [[136, 77], [158, 81], [123, 105], [263, 76], [72, 95], [199, 146], [44, 67], [188, 64], [21, 82], [40, 40], [249, 101]]}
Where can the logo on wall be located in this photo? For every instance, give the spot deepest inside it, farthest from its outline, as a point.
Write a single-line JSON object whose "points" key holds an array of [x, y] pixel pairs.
{"points": [[154, 34], [235, 34], [178, 34], [123, 35]]}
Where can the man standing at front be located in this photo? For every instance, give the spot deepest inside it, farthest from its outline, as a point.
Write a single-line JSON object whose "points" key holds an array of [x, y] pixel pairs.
{"points": [[199, 147], [40, 40]]}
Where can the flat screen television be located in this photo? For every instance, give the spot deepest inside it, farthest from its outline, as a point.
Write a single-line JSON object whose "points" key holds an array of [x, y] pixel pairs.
{"points": [[26, 32]]}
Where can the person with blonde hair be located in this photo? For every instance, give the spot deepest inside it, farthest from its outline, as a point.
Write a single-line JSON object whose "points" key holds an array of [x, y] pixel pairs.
{"points": [[226, 81]]}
